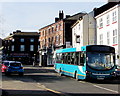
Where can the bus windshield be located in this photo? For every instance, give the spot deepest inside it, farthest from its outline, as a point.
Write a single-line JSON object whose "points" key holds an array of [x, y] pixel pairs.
{"points": [[100, 61]]}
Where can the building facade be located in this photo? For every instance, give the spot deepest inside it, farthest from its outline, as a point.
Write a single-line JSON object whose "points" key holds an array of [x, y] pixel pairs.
{"points": [[84, 31], [55, 36], [108, 26], [22, 46]]}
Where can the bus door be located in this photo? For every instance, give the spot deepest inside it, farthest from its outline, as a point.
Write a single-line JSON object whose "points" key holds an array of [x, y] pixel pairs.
{"points": [[82, 64]]}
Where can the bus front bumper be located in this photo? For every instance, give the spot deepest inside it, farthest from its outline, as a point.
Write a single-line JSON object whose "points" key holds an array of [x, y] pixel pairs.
{"points": [[100, 76]]}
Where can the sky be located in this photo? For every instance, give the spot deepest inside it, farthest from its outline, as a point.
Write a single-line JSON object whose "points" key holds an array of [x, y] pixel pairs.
{"points": [[31, 16]]}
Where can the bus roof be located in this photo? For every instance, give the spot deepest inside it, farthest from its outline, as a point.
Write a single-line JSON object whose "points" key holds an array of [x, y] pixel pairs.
{"points": [[66, 50], [83, 48]]}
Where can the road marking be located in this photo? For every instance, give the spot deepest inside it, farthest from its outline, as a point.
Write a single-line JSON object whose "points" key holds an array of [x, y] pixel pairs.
{"points": [[100, 87], [82, 81], [106, 89], [54, 91]]}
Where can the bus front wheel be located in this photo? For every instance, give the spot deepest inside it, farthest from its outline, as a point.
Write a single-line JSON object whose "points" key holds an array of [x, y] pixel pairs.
{"points": [[60, 72], [76, 76]]}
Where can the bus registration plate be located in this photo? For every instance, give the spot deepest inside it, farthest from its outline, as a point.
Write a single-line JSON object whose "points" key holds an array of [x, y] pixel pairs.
{"points": [[99, 78]]}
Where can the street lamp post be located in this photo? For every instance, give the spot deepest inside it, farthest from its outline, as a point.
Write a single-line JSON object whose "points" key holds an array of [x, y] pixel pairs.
{"points": [[34, 62]]}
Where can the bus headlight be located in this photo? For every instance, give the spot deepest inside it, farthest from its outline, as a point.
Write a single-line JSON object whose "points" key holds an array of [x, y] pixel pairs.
{"points": [[88, 72], [113, 73]]}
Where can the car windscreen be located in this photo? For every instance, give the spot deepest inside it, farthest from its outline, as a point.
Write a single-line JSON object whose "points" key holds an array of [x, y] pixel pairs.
{"points": [[6, 63], [15, 64]]}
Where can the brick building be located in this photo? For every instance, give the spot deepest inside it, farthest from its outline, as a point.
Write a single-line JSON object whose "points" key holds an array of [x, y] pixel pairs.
{"points": [[55, 36], [22, 46]]}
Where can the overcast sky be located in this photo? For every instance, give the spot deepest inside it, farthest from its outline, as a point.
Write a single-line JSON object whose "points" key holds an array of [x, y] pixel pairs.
{"points": [[31, 16]]}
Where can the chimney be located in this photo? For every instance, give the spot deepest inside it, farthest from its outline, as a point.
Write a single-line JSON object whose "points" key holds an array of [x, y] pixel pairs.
{"points": [[61, 15], [18, 31], [67, 16], [56, 19], [10, 33]]}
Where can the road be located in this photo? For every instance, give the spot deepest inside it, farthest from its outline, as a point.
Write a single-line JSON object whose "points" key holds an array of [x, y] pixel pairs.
{"points": [[41, 81]]}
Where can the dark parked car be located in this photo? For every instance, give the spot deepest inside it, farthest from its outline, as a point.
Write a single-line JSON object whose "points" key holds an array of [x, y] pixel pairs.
{"points": [[9, 67]]}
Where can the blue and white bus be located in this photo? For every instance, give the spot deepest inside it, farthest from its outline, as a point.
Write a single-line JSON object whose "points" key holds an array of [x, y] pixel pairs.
{"points": [[92, 61]]}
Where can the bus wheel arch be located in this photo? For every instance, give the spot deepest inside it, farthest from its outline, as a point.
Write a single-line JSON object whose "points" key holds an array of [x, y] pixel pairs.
{"points": [[60, 72], [76, 76]]}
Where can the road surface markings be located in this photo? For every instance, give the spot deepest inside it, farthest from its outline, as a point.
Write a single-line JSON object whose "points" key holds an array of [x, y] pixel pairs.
{"points": [[54, 91], [100, 87], [82, 81], [106, 89]]}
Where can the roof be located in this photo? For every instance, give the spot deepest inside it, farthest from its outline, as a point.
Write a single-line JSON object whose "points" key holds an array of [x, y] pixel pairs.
{"points": [[21, 34], [76, 16], [105, 7], [73, 17], [26, 33]]}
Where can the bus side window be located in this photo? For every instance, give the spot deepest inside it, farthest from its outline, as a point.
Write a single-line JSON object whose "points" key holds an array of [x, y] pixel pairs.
{"points": [[58, 57], [73, 58], [65, 58], [77, 58], [62, 58], [82, 58], [68, 58]]}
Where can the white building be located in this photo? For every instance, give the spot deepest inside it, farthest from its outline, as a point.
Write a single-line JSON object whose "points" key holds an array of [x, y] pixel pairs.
{"points": [[83, 31], [108, 26]]}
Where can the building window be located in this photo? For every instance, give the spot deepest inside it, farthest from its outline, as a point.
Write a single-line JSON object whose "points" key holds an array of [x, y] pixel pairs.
{"points": [[78, 39], [49, 31], [108, 38], [101, 23], [45, 32], [115, 36], [8, 47], [22, 40], [57, 38], [22, 47], [114, 16], [74, 30], [52, 29], [56, 27], [101, 39], [31, 47], [61, 40], [49, 40], [108, 19], [32, 40], [12, 48], [38, 47]]}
